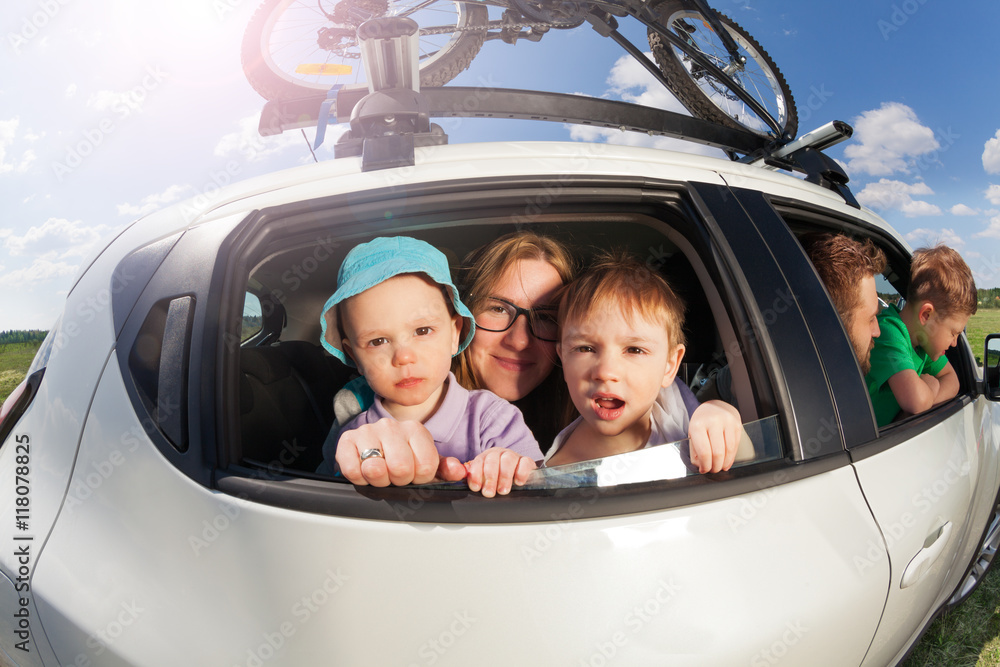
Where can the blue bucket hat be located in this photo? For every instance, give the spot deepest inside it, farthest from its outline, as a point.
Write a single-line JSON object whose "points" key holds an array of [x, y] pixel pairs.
{"points": [[369, 264]]}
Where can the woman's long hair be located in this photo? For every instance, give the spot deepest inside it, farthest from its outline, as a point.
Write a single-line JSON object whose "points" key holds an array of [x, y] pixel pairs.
{"points": [[482, 271]]}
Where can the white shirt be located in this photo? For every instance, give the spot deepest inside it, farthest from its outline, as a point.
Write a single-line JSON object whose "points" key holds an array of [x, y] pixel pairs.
{"points": [[669, 424]]}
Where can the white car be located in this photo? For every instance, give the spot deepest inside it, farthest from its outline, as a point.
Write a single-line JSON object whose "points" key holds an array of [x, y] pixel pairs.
{"points": [[157, 493]]}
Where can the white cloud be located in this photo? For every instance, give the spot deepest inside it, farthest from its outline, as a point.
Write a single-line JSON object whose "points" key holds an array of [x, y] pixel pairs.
{"points": [[106, 99], [918, 208], [56, 238], [8, 133], [8, 130], [39, 271], [928, 237], [634, 84], [887, 140], [992, 230], [155, 201], [5, 232], [887, 194], [962, 209], [589, 133], [247, 143], [71, 90], [630, 82], [26, 160], [993, 194], [991, 155]]}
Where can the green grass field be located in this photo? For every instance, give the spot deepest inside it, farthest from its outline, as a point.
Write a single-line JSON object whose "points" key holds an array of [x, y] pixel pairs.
{"points": [[968, 636], [984, 322], [15, 358]]}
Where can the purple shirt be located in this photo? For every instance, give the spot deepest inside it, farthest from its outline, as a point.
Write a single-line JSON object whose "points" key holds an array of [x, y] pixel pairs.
{"points": [[467, 424]]}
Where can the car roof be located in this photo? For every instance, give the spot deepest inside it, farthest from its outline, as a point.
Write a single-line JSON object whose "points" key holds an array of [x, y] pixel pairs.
{"points": [[559, 161]]}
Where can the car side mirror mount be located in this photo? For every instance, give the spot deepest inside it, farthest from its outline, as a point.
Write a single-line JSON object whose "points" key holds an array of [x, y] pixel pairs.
{"points": [[991, 367]]}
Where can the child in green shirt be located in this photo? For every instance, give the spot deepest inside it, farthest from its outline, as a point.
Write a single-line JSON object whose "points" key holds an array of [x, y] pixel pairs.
{"points": [[909, 371]]}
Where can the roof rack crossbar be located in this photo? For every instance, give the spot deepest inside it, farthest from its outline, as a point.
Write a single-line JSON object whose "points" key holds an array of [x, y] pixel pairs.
{"points": [[485, 102]]}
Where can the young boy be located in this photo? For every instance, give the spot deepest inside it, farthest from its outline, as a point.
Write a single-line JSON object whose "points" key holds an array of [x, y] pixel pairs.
{"points": [[397, 316], [621, 344], [909, 371]]}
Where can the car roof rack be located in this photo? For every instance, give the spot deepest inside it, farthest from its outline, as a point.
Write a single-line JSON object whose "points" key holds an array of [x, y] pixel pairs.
{"points": [[390, 116], [804, 155]]}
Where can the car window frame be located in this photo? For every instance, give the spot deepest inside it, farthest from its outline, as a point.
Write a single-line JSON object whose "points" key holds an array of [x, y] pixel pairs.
{"points": [[469, 198], [819, 219]]}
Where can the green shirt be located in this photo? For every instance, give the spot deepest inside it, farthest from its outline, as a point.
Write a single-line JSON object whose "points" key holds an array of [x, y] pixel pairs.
{"points": [[893, 353]]}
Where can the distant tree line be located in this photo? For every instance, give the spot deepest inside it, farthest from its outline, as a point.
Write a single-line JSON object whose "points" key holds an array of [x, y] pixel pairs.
{"points": [[989, 298], [251, 325], [19, 336], [889, 298]]}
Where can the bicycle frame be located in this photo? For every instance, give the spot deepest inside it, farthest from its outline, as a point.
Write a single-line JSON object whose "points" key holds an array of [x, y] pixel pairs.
{"points": [[539, 16], [601, 15], [645, 15]]}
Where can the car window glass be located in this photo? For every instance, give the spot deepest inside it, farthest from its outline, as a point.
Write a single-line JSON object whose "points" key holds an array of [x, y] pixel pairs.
{"points": [[252, 320], [289, 385], [889, 294]]}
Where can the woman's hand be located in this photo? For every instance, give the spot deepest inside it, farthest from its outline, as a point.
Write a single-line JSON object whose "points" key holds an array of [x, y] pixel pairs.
{"points": [[495, 471], [715, 430], [408, 455]]}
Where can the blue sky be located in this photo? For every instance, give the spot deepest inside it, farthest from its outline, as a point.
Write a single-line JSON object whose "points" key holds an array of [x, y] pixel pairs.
{"points": [[110, 109]]}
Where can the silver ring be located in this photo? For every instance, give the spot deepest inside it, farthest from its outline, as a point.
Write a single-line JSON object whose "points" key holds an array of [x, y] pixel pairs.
{"points": [[371, 454]]}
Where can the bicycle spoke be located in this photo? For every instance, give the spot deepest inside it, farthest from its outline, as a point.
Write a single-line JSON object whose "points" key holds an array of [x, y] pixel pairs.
{"points": [[749, 76]]}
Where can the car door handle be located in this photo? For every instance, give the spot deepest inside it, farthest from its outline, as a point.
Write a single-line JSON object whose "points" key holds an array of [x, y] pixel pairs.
{"points": [[925, 558]]}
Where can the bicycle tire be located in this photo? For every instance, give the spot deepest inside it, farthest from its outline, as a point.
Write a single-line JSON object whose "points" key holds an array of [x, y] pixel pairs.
{"points": [[282, 34], [707, 97]]}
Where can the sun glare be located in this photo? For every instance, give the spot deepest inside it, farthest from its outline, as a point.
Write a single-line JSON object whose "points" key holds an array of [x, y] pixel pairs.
{"points": [[195, 14]]}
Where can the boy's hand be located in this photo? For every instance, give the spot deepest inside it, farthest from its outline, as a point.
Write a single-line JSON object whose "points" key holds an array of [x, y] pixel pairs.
{"points": [[948, 384], [495, 470], [715, 429], [932, 383], [408, 455], [914, 393]]}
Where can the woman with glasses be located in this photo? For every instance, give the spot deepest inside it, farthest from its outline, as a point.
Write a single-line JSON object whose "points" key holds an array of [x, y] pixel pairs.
{"points": [[511, 285]]}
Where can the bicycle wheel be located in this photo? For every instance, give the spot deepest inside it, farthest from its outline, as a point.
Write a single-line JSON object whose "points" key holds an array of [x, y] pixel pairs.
{"points": [[710, 97], [293, 48]]}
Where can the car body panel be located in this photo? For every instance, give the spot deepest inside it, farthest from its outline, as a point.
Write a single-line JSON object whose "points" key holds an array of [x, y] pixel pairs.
{"points": [[10, 602], [194, 571], [922, 491], [561, 160], [54, 421]]}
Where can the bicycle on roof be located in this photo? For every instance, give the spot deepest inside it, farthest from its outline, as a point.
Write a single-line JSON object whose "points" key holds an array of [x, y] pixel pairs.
{"points": [[298, 48]]}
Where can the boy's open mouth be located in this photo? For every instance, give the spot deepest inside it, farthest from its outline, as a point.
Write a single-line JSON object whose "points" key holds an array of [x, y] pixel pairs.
{"points": [[608, 408]]}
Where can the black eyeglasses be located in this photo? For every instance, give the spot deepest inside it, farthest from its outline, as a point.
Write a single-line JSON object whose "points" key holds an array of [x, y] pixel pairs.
{"points": [[498, 315]]}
